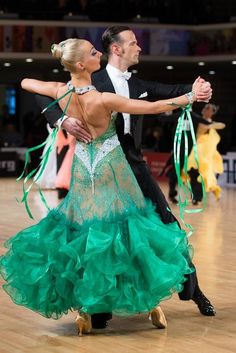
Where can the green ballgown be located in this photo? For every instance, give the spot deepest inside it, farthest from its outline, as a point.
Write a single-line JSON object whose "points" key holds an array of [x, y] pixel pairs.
{"points": [[103, 249]]}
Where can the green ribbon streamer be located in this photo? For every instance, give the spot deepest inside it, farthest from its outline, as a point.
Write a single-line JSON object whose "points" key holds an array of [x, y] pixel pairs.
{"points": [[38, 171], [185, 189]]}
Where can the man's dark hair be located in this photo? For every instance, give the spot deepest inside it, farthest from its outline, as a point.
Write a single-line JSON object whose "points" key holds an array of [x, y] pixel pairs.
{"points": [[111, 35]]}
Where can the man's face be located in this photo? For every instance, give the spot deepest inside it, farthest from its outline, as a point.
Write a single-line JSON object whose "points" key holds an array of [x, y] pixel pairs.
{"points": [[129, 48]]}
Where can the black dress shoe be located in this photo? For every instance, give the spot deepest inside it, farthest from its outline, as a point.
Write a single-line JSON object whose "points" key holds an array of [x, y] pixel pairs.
{"points": [[204, 305], [99, 324], [99, 321], [195, 202]]}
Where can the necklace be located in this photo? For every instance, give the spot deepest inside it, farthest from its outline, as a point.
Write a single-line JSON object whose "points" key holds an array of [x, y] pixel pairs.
{"points": [[80, 90]]}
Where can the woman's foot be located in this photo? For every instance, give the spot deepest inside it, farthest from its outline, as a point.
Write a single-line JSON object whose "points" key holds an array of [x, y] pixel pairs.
{"points": [[83, 323], [158, 318]]}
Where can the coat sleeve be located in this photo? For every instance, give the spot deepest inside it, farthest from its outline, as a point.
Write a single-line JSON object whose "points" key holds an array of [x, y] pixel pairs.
{"points": [[159, 90], [197, 118], [53, 114]]}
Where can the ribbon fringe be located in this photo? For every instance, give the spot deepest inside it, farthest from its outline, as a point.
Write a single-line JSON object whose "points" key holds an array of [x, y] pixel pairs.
{"points": [[36, 173], [184, 189]]}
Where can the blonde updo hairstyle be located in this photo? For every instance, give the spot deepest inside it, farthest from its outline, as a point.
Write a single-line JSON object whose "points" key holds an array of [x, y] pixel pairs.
{"points": [[69, 52]]}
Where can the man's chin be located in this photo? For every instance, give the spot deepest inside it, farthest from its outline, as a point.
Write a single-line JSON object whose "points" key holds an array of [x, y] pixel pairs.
{"points": [[135, 62]]}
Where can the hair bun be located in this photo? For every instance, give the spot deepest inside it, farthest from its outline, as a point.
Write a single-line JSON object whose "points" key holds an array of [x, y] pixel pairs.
{"points": [[57, 50]]}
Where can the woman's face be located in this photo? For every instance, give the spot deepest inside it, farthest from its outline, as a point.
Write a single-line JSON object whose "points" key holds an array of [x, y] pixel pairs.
{"points": [[91, 57], [207, 112]]}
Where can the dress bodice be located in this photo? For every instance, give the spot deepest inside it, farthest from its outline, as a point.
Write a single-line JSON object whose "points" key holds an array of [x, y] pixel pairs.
{"points": [[102, 180], [92, 154]]}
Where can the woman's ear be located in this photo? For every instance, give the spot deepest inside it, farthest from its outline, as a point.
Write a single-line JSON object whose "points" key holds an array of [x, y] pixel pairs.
{"points": [[80, 66]]}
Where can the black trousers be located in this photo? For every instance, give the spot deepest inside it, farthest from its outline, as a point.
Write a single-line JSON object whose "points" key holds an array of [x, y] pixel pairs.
{"points": [[195, 185], [62, 192], [173, 181], [151, 190]]}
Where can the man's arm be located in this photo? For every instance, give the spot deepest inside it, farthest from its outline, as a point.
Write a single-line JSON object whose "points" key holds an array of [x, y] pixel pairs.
{"points": [[159, 90], [53, 114], [75, 127], [198, 119]]}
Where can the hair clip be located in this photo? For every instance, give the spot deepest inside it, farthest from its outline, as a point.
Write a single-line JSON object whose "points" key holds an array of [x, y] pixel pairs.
{"points": [[53, 47]]}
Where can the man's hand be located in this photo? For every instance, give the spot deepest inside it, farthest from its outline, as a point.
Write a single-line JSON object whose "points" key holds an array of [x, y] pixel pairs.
{"points": [[77, 128], [205, 92]]}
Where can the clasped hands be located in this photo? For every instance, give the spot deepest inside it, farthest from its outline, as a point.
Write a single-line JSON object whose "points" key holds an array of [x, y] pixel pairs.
{"points": [[202, 90]]}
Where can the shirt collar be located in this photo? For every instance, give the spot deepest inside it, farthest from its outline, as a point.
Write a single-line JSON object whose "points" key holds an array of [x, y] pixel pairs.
{"points": [[113, 72]]}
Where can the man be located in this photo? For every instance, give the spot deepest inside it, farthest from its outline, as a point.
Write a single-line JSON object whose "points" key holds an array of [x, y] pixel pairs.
{"points": [[169, 168], [120, 44]]}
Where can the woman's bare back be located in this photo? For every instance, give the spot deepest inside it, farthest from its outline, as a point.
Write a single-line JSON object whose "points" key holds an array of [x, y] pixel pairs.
{"points": [[88, 107]]}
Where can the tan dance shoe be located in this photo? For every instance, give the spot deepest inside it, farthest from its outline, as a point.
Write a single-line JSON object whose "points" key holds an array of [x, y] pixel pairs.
{"points": [[83, 323], [158, 318]]}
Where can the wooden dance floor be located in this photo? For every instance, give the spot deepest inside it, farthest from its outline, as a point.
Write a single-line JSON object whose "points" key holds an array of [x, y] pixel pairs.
{"points": [[188, 331]]}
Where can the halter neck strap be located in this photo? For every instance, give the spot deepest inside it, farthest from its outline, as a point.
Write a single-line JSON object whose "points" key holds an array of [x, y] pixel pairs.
{"points": [[80, 90]]}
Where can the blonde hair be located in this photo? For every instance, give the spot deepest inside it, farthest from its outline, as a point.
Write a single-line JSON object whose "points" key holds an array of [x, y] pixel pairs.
{"points": [[69, 52]]}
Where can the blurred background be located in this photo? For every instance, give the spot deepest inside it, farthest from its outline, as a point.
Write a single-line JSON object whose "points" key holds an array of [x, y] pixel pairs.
{"points": [[180, 40]]}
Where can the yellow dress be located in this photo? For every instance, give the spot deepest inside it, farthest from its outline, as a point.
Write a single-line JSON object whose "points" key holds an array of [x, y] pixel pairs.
{"points": [[210, 160]]}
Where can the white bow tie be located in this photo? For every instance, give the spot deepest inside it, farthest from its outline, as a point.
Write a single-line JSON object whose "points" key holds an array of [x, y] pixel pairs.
{"points": [[126, 75]]}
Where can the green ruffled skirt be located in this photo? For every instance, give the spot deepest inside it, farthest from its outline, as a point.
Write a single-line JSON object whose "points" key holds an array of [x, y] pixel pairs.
{"points": [[124, 265]]}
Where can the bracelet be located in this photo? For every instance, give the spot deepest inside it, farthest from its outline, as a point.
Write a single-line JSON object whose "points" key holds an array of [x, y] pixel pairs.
{"points": [[190, 96], [60, 121]]}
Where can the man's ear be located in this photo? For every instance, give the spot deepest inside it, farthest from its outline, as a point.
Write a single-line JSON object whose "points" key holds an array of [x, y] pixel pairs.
{"points": [[116, 49]]}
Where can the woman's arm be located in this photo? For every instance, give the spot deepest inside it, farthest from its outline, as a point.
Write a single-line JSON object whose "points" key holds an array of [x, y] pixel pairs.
{"points": [[213, 125], [41, 87], [114, 102]]}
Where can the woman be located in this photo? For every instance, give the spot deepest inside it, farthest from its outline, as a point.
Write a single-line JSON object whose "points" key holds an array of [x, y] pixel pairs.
{"points": [[210, 160], [103, 249]]}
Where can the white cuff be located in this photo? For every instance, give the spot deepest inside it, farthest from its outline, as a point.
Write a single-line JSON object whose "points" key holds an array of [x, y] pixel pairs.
{"points": [[59, 122]]}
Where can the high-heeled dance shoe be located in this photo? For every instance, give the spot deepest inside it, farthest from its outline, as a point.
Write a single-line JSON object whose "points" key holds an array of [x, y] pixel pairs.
{"points": [[83, 323], [158, 318]]}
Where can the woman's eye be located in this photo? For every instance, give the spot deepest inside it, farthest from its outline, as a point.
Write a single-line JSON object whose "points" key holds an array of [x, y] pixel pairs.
{"points": [[94, 52]]}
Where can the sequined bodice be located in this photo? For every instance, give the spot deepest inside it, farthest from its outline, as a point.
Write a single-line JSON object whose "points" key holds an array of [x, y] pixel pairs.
{"points": [[90, 155], [102, 181]]}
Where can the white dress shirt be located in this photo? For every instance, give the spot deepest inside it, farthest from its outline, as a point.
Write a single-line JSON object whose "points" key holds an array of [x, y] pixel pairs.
{"points": [[121, 86]]}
